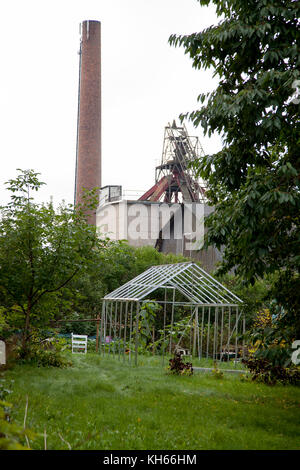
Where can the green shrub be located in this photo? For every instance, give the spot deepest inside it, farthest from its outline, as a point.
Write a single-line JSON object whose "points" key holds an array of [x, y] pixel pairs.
{"points": [[264, 371], [3, 323], [46, 352], [44, 358], [11, 435], [268, 339]]}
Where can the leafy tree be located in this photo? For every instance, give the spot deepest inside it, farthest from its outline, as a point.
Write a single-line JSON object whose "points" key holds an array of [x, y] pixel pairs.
{"points": [[253, 182], [147, 256], [113, 265], [41, 251], [255, 297]]}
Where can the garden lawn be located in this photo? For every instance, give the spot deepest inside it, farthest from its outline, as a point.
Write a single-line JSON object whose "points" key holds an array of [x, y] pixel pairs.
{"points": [[101, 403]]}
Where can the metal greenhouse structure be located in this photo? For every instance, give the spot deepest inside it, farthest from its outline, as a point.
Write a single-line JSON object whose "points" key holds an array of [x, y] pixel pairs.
{"points": [[214, 315]]}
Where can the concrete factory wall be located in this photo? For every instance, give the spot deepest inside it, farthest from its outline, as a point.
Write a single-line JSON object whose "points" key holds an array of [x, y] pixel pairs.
{"points": [[119, 221], [208, 258], [171, 225]]}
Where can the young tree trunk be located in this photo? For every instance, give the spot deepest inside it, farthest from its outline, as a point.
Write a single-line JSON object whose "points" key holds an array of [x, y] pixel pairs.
{"points": [[25, 339]]}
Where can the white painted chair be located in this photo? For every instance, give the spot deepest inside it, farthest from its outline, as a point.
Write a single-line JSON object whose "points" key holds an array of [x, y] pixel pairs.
{"points": [[183, 352], [79, 343]]}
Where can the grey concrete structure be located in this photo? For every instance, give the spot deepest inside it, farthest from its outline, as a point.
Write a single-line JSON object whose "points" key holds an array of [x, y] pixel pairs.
{"points": [[169, 227]]}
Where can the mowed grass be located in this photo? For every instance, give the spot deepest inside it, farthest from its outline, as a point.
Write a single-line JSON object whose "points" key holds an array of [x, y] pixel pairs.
{"points": [[101, 403]]}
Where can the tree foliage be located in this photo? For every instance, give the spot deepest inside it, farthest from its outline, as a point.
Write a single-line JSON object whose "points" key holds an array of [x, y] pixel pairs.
{"points": [[41, 251], [113, 265], [253, 182]]}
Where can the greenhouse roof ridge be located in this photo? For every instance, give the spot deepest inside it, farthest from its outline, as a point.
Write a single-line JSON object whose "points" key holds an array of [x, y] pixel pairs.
{"points": [[199, 287]]}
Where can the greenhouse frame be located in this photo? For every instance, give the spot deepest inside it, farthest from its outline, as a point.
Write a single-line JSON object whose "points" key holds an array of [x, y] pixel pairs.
{"points": [[216, 317]]}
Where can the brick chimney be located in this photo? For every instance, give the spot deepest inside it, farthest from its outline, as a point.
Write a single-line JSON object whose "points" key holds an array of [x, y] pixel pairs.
{"points": [[88, 148]]}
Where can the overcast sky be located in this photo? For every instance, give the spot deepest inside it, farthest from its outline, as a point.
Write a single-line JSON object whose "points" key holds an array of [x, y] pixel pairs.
{"points": [[145, 84]]}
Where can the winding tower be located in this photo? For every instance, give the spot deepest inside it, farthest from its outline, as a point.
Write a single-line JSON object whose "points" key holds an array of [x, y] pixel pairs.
{"points": [[175, 178]]}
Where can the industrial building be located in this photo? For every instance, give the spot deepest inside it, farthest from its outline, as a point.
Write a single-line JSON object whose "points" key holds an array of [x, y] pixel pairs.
{"points": [[170, 215]]}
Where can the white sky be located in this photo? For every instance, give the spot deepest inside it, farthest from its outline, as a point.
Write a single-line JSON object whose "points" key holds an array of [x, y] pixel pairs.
{"points": [[145, 84]]}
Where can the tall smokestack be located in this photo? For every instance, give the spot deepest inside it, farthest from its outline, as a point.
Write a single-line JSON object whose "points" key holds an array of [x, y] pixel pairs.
{"points": [[88, 148]]}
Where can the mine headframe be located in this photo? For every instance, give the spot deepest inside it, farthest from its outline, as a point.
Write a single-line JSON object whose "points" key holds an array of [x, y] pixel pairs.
{"points": [[175, 177]]}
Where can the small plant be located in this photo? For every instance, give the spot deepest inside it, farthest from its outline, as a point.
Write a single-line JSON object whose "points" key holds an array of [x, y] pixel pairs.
{"points": [[180, 330], [4, 391], [245, 377], [217, 373], [147, 316], [178, 367]]}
